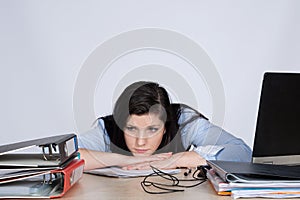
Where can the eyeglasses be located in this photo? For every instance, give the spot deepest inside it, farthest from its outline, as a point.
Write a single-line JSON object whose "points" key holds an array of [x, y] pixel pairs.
{"points": [[171, 183]]}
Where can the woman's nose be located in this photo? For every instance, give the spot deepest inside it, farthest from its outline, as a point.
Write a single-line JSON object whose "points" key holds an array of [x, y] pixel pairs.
{"points": [[140, 141]]}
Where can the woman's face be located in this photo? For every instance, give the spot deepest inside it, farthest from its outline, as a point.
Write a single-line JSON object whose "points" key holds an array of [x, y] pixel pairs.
{"points": [[143, 133]]}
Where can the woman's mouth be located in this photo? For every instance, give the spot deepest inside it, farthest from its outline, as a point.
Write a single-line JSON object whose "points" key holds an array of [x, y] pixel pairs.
{"points": [[141, 151]]}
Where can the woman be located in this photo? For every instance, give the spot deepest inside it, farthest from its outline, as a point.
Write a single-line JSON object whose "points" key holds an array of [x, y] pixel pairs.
{"points": [[146, 129]]}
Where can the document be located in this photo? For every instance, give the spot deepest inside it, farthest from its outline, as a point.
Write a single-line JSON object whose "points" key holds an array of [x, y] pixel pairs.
{"points": [[220, 186], [267, 193], [119, 172], [225, 188]]}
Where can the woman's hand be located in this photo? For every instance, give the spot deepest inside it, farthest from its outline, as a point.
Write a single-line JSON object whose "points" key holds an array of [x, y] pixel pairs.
{"points": [[97, 159], [135, 160], [183, 159]]}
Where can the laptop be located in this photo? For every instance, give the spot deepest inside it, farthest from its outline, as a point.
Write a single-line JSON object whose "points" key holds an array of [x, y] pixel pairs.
{"points": [[277, 135], [276, 149]]}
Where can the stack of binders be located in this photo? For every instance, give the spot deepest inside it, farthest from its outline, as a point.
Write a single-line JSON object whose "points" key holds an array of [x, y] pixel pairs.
{"points": [[41, 168], [253, 180]]}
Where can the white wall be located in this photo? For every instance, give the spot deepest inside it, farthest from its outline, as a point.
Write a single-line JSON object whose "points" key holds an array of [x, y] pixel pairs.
{"points": [[45, 44]]}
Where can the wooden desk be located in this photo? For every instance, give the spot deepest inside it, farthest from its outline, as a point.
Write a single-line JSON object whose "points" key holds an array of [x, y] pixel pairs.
{"points": [[97, 187]]}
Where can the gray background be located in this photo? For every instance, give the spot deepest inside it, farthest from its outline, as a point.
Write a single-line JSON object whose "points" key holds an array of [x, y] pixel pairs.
{"points": [[44, 44]]}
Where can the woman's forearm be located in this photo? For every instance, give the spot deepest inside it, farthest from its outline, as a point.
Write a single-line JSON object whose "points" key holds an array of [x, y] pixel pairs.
{"points": [[188, 159], [98, 159], [184, 159]]}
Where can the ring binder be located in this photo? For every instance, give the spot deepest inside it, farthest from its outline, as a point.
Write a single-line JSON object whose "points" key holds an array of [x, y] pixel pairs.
{"points": [[48, 184], [41, 168], [48, 151]]}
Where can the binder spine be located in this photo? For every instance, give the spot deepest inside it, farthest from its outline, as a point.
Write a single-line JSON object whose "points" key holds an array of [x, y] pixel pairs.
{"points": [[68, 148], [72, 174]]}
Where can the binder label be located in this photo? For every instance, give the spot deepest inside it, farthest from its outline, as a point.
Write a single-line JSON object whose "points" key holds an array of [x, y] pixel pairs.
{"points": [[76, 174], [70, 147]]}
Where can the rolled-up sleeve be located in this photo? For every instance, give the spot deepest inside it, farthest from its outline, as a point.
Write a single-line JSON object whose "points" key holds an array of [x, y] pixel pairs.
{"points": [[95, 139], [212, 142]]}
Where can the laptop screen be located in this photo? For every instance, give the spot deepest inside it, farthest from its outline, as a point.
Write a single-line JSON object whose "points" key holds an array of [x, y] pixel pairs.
{"points": [[277, 136]]}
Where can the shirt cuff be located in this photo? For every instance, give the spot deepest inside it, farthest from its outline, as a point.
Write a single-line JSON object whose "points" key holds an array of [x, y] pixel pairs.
{"points": [[208, 152]]}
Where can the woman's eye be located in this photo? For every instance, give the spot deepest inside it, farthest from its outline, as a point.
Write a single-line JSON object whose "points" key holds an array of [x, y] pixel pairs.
{"points": [[129, 128], [153, 129]]}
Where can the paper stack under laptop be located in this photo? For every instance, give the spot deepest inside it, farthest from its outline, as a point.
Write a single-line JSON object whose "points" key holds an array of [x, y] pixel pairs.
{"points": [[40, 168], [249, 180]]}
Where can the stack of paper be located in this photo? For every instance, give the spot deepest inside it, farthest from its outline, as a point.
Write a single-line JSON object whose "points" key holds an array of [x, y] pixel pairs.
{"points": [[119, 172], [40, 168], [250, 180]]}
